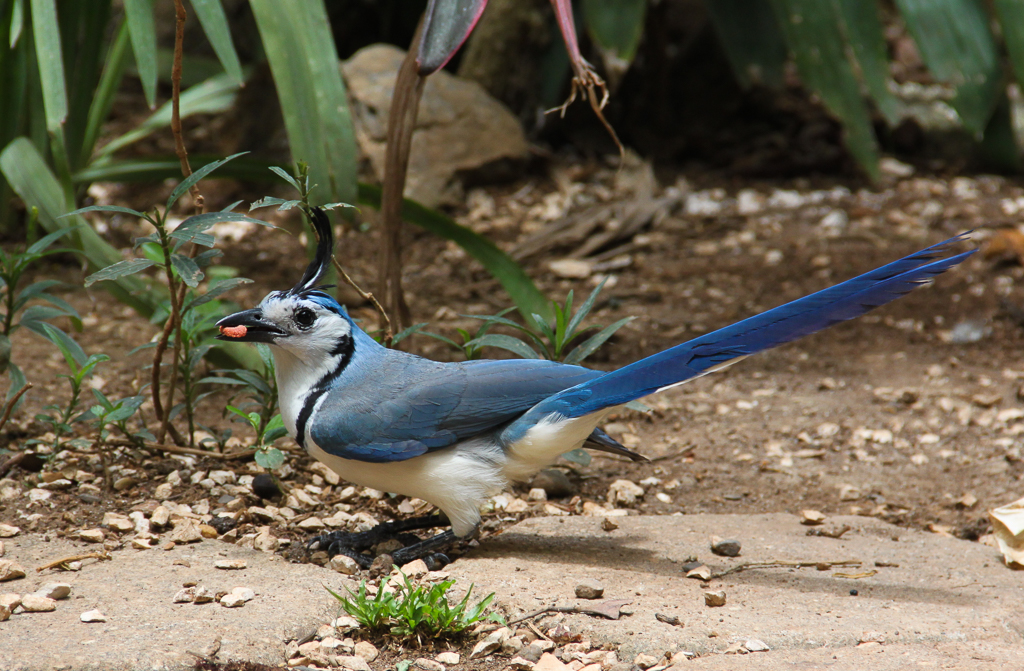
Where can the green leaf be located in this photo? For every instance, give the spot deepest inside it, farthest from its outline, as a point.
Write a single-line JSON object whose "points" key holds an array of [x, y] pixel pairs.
{"points": [[514, 345], [108, 208], [187, 270], [17, 382], [189, 230], [118, 270], [47, 240], [402, 335], [106, 90], [813, 31], [38, 313], [616, 27], [300, 50], [864, 32], [29, 176], [194, 178], [513, 278], [139, 14], [957, 46], [590, 345], [17, 22], [751, 39], [218, 290], [215, 24], [50, 60], [270, 201], [581, 314], [286, 176], [72, 351], [213, 96], [1011, 21], [5, 353], [270, 459]]}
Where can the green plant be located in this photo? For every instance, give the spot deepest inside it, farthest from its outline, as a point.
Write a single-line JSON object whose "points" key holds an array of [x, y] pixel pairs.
{"points": [[267, 456], [18, 313], [60, 418], [470, 346], [549, 340], [186, 313], [415, 610], [115, 414]]}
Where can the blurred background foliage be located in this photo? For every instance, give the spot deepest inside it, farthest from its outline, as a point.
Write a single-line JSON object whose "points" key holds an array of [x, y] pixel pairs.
{"points": [[764, 88]]}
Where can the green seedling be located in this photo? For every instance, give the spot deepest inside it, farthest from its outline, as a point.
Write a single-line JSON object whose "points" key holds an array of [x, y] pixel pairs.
{"points": [[267, 456], [415, 610]]}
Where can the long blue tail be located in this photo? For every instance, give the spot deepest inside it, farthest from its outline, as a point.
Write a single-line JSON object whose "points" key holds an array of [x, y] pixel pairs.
{"points": [[783, 324]]}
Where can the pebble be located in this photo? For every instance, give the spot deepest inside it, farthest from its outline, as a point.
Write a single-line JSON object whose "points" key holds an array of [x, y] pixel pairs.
{"points": [[727, 547], [91, 535], [645, 661], [352, 663], [311, 524], [127, 482], [755, 645], [812, 517], [589, 589], [3, 550], [5, 613], [415, 569], [55, 590], [186, 595], [10, 600], [232, 600], [366, 650], [10, 570], [428, 664], [575, 269], [520, 664], [36, 603], [608, 525], [161, 516], [208, 531], [92, 616], [537, 494], [714, 599], [203, 595], [37, 495], [229, 564], [449, 657], [163, 491], [186, 530], [265, 541], [344, 565], [624, 492], [117, 522], [549, 662]]}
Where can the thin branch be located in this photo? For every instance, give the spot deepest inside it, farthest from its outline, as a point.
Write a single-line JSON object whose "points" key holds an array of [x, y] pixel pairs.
{"points": [[61, 562], [13, 402], [366, 296], [179, 141], [819, 565]]}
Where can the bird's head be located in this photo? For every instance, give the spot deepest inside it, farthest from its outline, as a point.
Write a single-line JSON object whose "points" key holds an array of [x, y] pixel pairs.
{"points": [[303, 320]]}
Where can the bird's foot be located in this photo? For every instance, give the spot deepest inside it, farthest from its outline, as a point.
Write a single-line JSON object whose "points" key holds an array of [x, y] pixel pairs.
{"points": [[355, 545]]}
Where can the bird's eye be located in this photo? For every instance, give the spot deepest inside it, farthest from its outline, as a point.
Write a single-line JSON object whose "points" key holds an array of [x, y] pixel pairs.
{"points": [[304, 317]]}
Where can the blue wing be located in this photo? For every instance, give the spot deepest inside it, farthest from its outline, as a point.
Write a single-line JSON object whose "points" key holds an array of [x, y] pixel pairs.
{"points": [[783, 324], [411, 406]]}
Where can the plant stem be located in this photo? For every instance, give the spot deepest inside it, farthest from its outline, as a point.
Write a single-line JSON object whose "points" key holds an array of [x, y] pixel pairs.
{"points": [[179, 141], [13, 402]]}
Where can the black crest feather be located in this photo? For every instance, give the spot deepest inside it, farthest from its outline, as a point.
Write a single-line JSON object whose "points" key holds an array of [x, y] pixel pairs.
{"points": [[324, 251]]}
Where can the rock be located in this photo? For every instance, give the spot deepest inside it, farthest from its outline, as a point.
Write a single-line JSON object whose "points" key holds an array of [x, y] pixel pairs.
{"points": [[574, 269], [589, 589], [485, 647], [554, 483], [186, 595], [163, 491], [366, 650], [459, 129], [222, 477], [117, 522], [549, 662], [5, 613], [55, 590], [229, 564], [345, 623], [92, 616], [186, 530], [449, 657], [140, 524], [608, 525], [755, 645], [245, 593], [91, 535], [344, 565], [537, 494], [352, 663], [812, 517], [127, 482], [520, 664], [232, 600], [203, 595], [3, 550], [160, 517], [265, 541], [10, 600], [207, 531], [512, 645], [725, 547], [714, 599], [142, 543], [624, 492], [645, 661], [415, 569], [36, 603], [10, 570], [311, 524], [58, 484], [428, 664]]}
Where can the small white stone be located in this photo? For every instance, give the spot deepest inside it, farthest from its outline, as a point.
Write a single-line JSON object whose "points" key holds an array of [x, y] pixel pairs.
{"points": [[244, 593], [55, 590], [353, 663], [203, 595], [92, 616], [756, 645], [366, 650], [37, 495], [91, 535], [537, 494], [449, 657], [36, 603], [571, 268], [160, 517], [344, 565], [163, 491], [222, 477], [10, 570], [117, 522], [232, 600], [624, 492], [185, 595], [311, 524], [428, 664], [230, 564]]}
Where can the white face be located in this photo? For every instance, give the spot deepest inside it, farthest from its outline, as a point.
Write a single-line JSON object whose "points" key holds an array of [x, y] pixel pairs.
{"points": [[314, 332]]}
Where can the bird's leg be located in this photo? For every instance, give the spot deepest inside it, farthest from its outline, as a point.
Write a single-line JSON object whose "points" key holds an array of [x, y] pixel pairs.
{"points": [[352, 544]]}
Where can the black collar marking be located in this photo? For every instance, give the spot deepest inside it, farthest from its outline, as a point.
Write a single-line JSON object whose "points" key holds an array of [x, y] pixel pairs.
{"points": [[345, 347]]}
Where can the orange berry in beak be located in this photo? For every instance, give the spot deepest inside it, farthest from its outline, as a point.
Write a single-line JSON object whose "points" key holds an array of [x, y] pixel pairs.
{"points": [[234, 331]]}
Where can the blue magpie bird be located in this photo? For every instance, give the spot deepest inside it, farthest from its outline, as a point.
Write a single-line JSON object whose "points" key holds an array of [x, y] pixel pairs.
{"points": [[454, 434]]}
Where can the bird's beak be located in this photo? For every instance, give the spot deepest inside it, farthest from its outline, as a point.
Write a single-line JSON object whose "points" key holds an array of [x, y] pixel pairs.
{"points": [[248, 326]]}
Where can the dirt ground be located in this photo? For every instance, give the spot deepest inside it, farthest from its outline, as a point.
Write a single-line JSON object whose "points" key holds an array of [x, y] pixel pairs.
{"points": [[890, 415]]}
